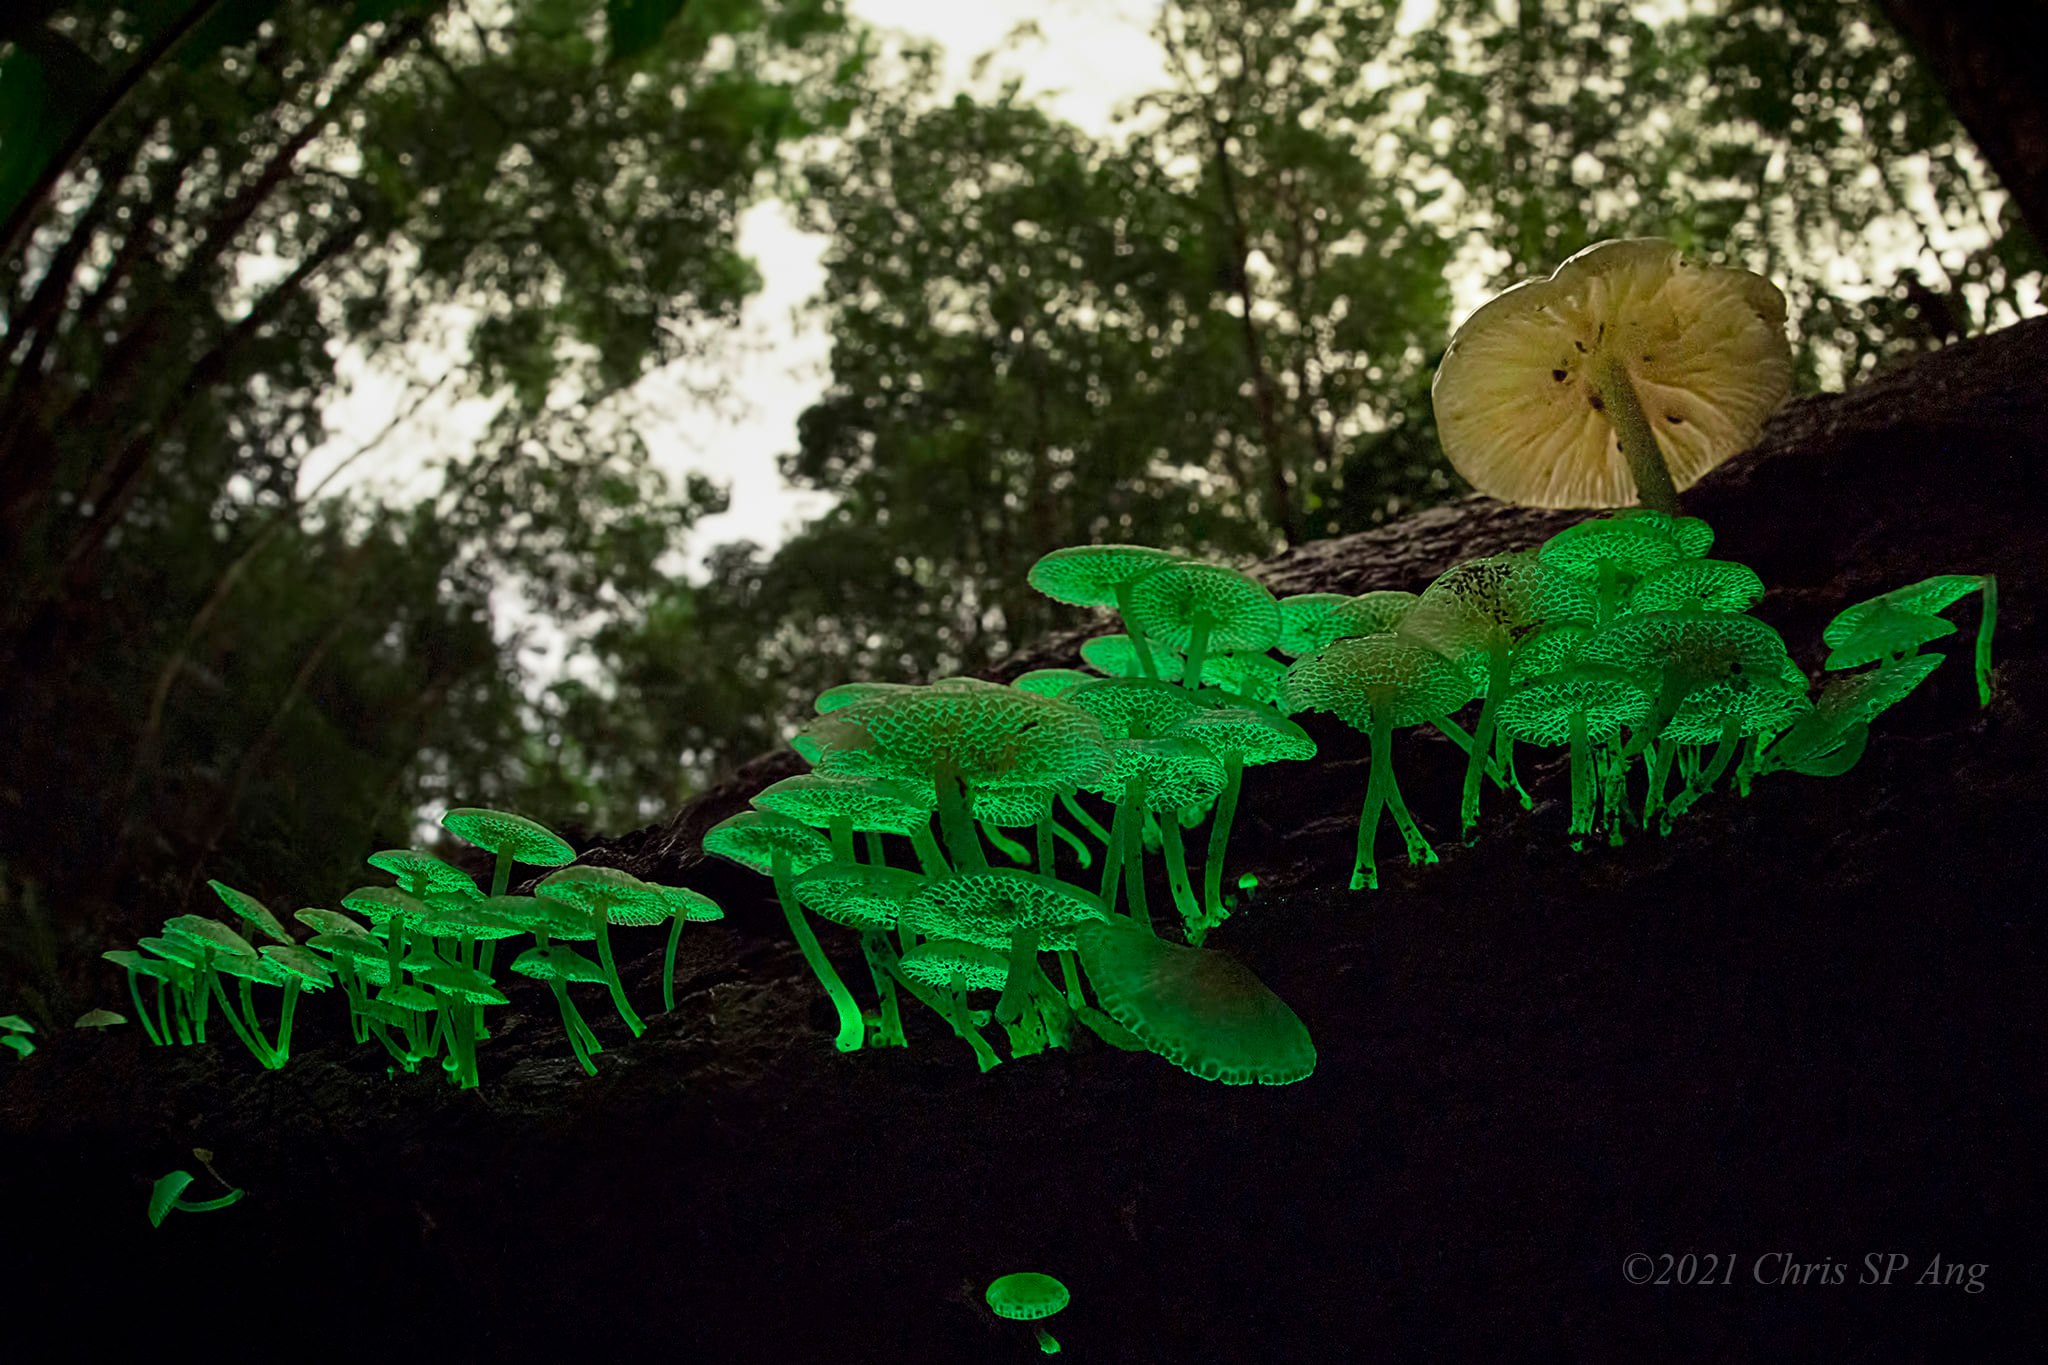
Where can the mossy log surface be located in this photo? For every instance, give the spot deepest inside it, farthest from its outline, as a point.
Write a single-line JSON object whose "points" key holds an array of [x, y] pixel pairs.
{"points": [[1809, 1023]]}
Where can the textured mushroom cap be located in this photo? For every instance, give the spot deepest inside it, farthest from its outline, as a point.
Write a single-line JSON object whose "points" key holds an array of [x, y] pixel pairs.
{"points": [[202, 933], [613, 892], [1877, 629], [1251, 674], [1008, 805], [1255, 734], [1690, 648], [99, 1019], [934, 961], [1761, 705], [1864, 696], [1241, 613], [1369, 613], [184, 952], [1118, 657], [1540, 711], [164, 1194], [846, 694], [416, 866], [464, 983], [148, 966], [1551, 650], [1026, 1296], [455, 918], [1409, 682], [381, 904], [252, 910], [871, 804], [988, 907], [329, 922], [1089, 575], [1710, 585], [1128, 706], [694, 906], [261, 970], [1928, 596], [498, 831], [1178, 773], [1693, 535], [857, 895], [369, 959], [1517, 409], [988, 733], [313, 974], [1299, 617], [408, 997], [753, 838], [1052, 682], [1200, 1009], [1633, 545], [557, 963], [1484, 605]]}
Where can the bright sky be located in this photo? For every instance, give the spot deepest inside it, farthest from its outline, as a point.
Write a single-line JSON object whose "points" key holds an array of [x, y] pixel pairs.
{"points": [[1094, 55]]}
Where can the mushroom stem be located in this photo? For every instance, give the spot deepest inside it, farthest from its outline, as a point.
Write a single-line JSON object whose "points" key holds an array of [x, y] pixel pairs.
{"points": [[1042, 837], [962, 843], [1460, 736], [1072, 978], [1083, 818], [1005, 845], [852, 1028], [1177, 878], [284, 1025], [501, 872], [842, 838], [668, 963], [874, 946], [1072, 840], [1219, 841], [1198, 652], [963, 1024], [1482, 738], [927, 848], [872, 842], [570, 1018], [1023, 962], [1365, 872], [1132, 817], [1624, 412], [1724, 753], [1139, 645], [1048, 1344], [601, 913], [1113, 860], [1987, 624], [258, 1050], [1582, 786], [135, 994], [1419, 850]]}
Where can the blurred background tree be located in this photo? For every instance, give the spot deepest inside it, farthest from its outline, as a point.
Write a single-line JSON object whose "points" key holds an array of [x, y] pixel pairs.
{"points": [[1211, 325]]}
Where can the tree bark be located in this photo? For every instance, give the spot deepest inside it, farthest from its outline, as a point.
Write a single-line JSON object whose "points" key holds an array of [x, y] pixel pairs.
{"points": [[1986, 56]]}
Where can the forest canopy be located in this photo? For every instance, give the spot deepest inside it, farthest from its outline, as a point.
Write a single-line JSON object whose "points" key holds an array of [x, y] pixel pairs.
{"points": [[1213, 323]]}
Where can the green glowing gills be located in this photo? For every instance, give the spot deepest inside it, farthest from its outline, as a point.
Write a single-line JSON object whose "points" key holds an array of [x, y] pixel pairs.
{"points": [[1028, 1296], [413, 960]]}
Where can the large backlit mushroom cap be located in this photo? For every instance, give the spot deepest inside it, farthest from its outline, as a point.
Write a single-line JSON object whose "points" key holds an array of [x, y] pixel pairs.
{"points": [[1134, 706], [1353, 679], [1200, 1009], [986, 732], [499, 831], [857, 895], [1169, 602], [1492, 604], [882, 806], [1089, 575], [1178, 773], [935, 961], [1517, 408]]}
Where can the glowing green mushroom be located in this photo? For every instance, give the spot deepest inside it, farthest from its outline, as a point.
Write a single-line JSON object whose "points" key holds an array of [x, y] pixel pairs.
{"points": [[1154, 777], [1828, 740], [14, 1031], [303, 972], [1028, 1296], [1052, 682], [1709, 585], [1004, 909], [1198, 1008], [1476, 615], [1624, 377], [844, 805], [1376, 684], [1117, 656], [609, 895], [1612, 554], [1882, 626], [559, 965], [1239, 736], [132, 964], [166, 1195], [954, 968], [685, 907], [1583, 706], [252, 910], [1203, 608], [866, 898], [513, 838], [1100, 576], [780, 848]]}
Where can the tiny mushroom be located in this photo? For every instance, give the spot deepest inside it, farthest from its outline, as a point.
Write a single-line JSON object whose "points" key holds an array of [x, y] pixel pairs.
{"points": [[514, 838], [1028, 1296]]}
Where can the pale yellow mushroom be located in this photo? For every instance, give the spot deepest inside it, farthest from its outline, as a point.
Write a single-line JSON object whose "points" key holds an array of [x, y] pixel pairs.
{"points": [[1622, 378]]}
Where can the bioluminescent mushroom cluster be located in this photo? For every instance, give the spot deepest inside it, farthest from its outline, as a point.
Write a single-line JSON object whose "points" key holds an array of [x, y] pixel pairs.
{"points": [[416, 966]]}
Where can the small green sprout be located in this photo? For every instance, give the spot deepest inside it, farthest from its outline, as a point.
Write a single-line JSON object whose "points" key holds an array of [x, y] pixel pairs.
{"points": [[1028, 1296]]}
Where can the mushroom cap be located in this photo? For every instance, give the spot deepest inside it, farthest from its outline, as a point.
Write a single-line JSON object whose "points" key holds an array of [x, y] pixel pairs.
{"points": [[381, 904], [252, 910], [1089, 575], [694, 906], [1052, 682], [1410, 683], [1200, 1009], [613, 892], [1710, 585], [183, 952], [871, 804], [934, 961], [988, 907], [986, 732], [1551, 650], [464, 983], [165, 1193], [1251, 674], [499, 831], [1026, 1296], [1761, 705], [1486, 605], [1118, 657], [1517, 409], [203, 933], [312, 973], [846, 694], [753, 838], [1865, 696], [1256, 734], [1299, 617], [1128, 706], [261, 970], [1632, 545], [1241, 613], [1878, 629], [1009, 805], [148, 966], [1688, 648], [409, 997], [99, 1019], [329, 922], [456, 918], [1178, 773], [857, 895], [1693, 535], [1929, 596], [1369, 613], [1540, 711], [557, 963], [427, 870]]}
